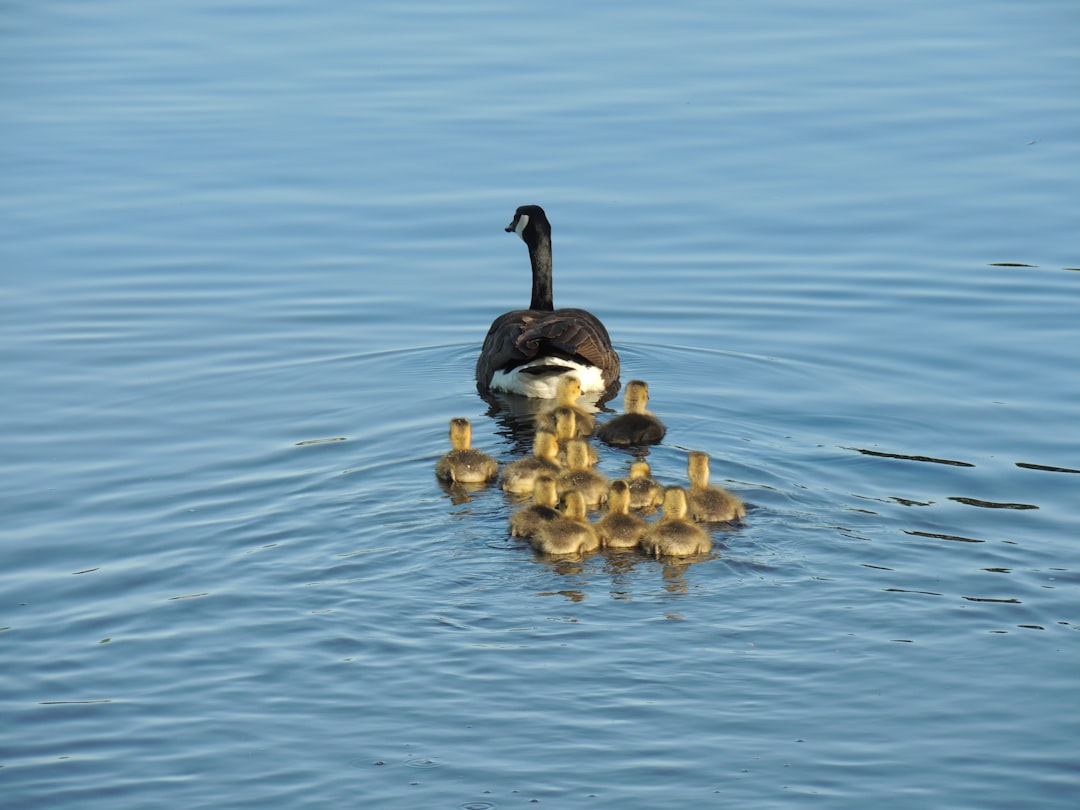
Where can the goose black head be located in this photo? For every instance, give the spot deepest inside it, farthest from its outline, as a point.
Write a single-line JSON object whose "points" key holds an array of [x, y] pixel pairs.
{"points": [[529, 222]]}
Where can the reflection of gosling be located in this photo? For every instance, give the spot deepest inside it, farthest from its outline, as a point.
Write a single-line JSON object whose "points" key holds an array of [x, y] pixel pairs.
{"points": [[520, 476], [673, 535], [566, 422], [463, 464], [636, 426], [527, 520], [709, 503], [566, 397], [568, 534], [645, 493], [618, 528], [580, 475]]}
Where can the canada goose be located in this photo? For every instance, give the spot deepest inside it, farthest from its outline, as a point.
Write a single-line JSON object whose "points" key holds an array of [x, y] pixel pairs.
{"points": [[708, 504], [526, 351], [520, 476], [569, 533], [618, 528], [463, 464], [579, 474], [636, 426], [645, 493], [526, 521], [673, 535]]}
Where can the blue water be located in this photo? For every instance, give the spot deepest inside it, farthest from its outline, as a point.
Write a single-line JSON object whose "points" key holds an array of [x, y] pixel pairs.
{"points": [[248, 254]]}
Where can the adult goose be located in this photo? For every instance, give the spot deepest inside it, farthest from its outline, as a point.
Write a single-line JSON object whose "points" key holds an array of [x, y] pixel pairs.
{"points": [[526, 351]]}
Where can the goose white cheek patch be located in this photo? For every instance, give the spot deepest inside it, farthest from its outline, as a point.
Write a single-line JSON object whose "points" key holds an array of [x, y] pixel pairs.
{"points": [[522, 222]]}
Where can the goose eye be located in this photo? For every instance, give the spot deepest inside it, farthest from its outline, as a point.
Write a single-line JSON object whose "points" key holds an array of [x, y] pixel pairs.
{"points": [[521, 224]]}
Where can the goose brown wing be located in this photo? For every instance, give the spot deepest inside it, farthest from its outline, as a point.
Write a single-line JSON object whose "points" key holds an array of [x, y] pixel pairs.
{"points": [[520, 336]]}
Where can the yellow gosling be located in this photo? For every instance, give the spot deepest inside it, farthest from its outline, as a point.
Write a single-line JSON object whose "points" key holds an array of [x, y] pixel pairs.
{"points": [[565, 422], [673, 535], [463, 464], [645, 493], [709, 504], [579, 474], [526, 521], [636, 426], [566, 397], [520, 476], [568, 534], [618, 528]]}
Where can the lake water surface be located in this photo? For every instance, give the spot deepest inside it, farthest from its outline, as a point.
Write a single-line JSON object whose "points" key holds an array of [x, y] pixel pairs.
{"points": [[249, 252]]}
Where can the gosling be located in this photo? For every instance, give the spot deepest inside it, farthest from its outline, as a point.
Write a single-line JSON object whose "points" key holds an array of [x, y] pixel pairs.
{"points": [[618, 528], [527, 521], [645, 493], [568, 534], [709, 504], [566, 396], [579, 474], [566, 421], [636, 426], [673, 535], [463, 464], [520, 476]]}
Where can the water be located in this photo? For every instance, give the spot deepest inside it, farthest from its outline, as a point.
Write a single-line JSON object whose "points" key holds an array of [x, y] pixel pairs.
{"points": [[249, 253]]}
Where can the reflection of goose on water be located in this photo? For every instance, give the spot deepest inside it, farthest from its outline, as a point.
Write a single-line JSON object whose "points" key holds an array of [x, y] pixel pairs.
{"points": [[568, 534], [464, 464], [519, 476], [636, 426], [527, 351], [526, 521], [707, 503], [618, 528], [673, 535]]}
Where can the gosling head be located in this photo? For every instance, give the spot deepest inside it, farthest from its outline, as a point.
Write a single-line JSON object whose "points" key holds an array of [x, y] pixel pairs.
{"points": [[619, 497], [636, 397], [675, 503], [545, 491], [569, 390], [577, 455], [460, 433], [697, 468]]}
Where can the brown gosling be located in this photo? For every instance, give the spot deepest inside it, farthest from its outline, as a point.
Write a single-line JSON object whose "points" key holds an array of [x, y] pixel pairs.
{"points": [[520, 476], [618, 528], [526, 521], [645, 493], [566, 397], [568, 534], [565, 421], [636, 426], [673, 535], [709, 504], [464, 464], [579, 474]]}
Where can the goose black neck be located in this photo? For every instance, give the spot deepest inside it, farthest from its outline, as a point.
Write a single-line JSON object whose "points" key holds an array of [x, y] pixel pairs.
{"points": [[540, 257]]}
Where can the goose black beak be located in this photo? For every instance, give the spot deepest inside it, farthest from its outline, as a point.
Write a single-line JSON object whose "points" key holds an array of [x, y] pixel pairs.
{"points": [[509, 228]]}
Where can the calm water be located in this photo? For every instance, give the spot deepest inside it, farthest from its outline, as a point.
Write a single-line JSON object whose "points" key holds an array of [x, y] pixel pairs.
{"points": [[249, 252]]}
